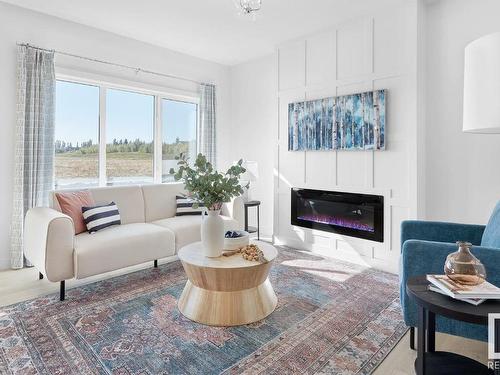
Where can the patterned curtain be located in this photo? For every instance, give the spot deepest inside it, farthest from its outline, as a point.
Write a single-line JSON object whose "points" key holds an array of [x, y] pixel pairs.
{"points": [[34, 146], [207, 124]]}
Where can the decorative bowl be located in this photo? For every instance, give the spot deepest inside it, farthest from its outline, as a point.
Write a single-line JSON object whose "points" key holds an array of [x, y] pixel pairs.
{"points": [[233, 244]]}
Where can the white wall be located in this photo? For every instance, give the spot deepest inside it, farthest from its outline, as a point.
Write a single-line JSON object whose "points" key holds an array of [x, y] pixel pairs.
{"points": [[377, 51], [463, 171], [19, 25], [253, 118]]}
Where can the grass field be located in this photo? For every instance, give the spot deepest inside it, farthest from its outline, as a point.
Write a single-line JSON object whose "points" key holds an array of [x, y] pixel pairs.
{"points": [[118, 164]]}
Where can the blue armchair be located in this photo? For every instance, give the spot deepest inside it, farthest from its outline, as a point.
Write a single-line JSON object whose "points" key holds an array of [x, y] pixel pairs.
{"points": [[424, 247]]}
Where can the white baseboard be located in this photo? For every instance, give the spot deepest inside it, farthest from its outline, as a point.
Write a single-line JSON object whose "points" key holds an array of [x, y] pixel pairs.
{"points": [[348, 256]]}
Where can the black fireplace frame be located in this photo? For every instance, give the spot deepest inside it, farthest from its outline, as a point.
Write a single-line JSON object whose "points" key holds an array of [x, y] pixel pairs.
{"points": [[338, 196]]}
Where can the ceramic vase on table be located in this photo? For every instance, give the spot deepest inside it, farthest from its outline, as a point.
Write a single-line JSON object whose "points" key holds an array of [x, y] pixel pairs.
{"points": [[212, 234]]}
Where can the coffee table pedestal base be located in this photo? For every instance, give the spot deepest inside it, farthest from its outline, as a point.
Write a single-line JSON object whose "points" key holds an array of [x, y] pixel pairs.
{"points": [[216, 308]]}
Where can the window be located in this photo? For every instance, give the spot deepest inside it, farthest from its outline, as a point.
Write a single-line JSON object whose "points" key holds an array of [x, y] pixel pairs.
{"points": [[129, 137], [105, 135], [76, 135], [179, 133]]}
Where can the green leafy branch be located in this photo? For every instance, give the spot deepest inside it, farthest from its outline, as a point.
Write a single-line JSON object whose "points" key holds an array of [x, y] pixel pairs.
{"points": [[205, 184]]}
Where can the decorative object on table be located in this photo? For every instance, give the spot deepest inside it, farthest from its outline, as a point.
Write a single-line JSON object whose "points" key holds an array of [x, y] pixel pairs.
{"points": [[481, 82], [350, 122], [251, 175], [249, 252], [248, 228], [235, 239], [211, 228], [253, 253], [430, 361], [464, 268], [234, 234], [184, 206], [211, 189]]}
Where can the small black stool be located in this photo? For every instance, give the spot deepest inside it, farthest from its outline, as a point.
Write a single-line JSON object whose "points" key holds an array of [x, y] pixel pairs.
{"points": [[248, 228]]}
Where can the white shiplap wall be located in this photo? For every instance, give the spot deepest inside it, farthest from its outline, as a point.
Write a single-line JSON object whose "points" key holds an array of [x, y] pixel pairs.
{"points": [[377, 51]]}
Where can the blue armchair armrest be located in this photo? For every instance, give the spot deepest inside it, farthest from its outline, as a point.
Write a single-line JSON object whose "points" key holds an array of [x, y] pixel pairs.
{"points": [[428, 257], [440, 231]]}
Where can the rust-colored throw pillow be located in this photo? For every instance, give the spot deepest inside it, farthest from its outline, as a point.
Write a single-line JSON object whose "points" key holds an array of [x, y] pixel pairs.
{"points": [[71, 204]]}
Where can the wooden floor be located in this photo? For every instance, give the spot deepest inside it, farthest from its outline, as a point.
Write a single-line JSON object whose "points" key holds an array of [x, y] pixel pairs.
{"points": [[20, 285], [400, 361]]}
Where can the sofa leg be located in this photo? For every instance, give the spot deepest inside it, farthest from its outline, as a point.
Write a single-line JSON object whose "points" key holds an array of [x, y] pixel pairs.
{"points": [[412, 338], [40, 276], [62, 291], [155, 263]]}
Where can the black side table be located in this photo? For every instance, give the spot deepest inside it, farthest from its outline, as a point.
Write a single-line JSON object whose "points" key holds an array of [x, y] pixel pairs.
{"points": [[248, 228], [430, 361]]}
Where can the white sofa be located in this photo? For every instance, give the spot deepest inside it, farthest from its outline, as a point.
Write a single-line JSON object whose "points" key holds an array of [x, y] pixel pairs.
{"points": [[149, 231]]}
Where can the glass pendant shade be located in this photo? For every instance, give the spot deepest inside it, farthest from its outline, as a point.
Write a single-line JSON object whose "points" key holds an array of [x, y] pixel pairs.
{"points": [[463, 267]]}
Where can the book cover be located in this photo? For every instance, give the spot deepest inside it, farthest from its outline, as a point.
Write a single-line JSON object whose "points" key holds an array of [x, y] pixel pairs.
{"points": [[472, 301], [455, 290]]}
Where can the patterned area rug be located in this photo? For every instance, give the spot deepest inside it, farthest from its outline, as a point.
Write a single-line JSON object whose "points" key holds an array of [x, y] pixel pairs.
{"points": [[332, 317]]}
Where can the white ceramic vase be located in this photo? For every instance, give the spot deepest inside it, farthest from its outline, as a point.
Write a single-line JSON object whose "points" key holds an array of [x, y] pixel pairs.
{"points": [[212, 234]]}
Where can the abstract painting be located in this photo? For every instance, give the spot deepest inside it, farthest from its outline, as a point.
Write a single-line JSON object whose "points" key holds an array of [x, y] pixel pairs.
{"points": [[349, 122]]}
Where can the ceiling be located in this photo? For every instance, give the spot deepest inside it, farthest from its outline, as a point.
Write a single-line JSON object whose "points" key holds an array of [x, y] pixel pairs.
{"points": [[209, 29]]}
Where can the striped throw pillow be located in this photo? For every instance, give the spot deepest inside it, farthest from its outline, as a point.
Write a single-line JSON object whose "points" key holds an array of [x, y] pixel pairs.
{"points": [[185, 206], [100, 217]]}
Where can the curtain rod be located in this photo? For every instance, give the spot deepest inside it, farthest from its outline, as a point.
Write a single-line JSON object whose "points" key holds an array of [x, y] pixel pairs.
{"points": [[137, 70]]}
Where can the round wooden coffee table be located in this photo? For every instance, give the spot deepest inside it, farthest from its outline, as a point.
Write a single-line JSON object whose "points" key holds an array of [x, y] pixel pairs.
{"points": [[226, 291]]}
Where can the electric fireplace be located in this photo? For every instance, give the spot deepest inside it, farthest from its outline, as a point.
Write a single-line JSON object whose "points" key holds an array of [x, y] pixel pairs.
{"points": [[351, 214]]}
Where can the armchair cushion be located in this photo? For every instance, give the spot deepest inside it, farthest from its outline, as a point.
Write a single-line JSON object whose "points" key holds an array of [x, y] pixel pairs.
{"points": [[491, 236]]}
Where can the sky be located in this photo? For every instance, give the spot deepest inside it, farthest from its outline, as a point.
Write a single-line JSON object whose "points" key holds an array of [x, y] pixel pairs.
{"points": [[128, 115]]}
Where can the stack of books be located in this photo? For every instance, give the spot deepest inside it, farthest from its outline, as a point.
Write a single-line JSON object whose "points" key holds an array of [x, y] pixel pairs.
{"points": [[473, 294]]}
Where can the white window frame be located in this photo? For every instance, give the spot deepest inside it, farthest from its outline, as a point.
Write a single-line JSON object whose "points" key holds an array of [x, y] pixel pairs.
{"points": [[158, 92]]}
